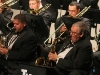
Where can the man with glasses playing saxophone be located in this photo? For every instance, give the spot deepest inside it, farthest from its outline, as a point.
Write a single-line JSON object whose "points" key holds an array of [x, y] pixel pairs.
{"points": [[75, 56], [5, 16], [73, 10]]}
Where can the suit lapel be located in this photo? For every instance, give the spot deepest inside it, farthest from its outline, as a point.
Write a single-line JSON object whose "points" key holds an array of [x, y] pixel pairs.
{"points": [[72, 51], [20, 36], [64, 46]]}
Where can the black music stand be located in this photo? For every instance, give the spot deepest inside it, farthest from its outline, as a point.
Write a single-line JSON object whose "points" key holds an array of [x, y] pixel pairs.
{"points": [[68, 21], [36, 23]]}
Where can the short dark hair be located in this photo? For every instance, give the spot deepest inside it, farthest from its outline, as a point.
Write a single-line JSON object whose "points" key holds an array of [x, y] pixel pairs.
{"points": [[74, 3], [20, 17]]}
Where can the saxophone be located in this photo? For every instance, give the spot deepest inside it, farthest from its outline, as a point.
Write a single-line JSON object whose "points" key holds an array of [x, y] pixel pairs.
{"points": [[48, 62], [42, 61], [2, 41]]}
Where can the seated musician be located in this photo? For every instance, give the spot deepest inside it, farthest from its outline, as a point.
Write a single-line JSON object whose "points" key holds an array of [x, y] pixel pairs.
{"points": [[36, 5], [35, 25], [73, 10], [5, 16], [20, 45], [75, 56]]}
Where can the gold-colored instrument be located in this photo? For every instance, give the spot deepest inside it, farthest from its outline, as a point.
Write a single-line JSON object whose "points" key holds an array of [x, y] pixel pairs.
{"points": [[41, 61], [53, 47], [8, 3], [2, 41], [52, 35], [10, 25], [82, 12], [37, 12]]}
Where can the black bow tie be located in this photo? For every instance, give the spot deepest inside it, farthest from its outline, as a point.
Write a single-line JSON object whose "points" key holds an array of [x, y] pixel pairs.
{"points": [[70, 45], [66, 46], [16, 33]]}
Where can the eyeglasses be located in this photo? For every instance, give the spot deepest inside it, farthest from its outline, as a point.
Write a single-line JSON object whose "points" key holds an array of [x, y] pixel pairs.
{"points": [[74, 33]]}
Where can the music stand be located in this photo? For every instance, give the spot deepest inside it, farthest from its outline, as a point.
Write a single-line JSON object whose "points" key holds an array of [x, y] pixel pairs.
{"points": [[69, 21], [36, 23]]}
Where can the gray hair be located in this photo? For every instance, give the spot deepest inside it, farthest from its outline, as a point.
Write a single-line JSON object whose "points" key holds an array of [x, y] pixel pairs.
{"points": [[82, 27]]}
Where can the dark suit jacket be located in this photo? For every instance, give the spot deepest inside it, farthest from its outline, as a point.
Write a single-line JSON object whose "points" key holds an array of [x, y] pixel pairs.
{"points": [[23, 50], [78, 58]]}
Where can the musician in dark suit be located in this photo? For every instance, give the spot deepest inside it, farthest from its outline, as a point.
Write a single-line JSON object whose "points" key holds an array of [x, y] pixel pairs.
{"points": [[20, 46], [5, 16], [75, 56], [68, 20]]}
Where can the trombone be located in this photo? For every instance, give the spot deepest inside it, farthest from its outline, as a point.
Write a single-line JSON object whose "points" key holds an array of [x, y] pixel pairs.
{"points": [[52, 35], [37, 12], [77, 17]]}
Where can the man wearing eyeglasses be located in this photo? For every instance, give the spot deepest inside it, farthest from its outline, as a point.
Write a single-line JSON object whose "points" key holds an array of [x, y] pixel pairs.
{"points": [[75, 56], [73, 10]]}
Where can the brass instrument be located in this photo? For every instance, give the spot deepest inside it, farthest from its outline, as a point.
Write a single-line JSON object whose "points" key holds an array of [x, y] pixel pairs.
{"points": [[82, 12], [41, 61], [52, 35], [8, 3], [10, 25], [37, 12], [53, 47], [2, 41]]}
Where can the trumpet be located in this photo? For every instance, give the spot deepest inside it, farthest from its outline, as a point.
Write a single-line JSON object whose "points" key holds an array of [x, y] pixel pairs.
{"points": [[37, 12], [8, 3]]}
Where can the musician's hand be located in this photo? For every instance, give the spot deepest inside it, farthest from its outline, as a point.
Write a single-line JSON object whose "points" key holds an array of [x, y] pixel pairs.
{"points": [[63, 29], [53, 56], [3, 50]]}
